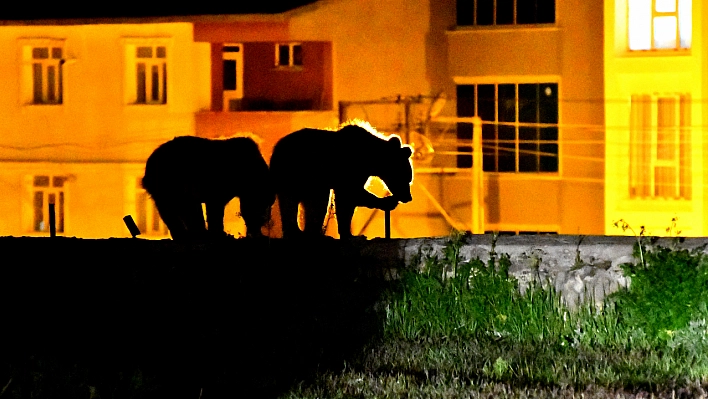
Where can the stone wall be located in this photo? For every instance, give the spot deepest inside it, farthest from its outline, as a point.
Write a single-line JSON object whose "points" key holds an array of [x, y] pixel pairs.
{"points": [[576, 266]]}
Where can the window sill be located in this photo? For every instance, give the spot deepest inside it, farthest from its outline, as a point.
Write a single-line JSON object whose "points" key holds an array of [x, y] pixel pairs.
{"points": [[294, 68], [42, 234], [660, 199], [656, 53], [462, 29], [146, 105], [43, 105], [522, 175]]}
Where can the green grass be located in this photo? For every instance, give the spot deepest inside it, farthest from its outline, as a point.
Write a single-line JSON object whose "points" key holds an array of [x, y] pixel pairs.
{"points": [[462, 329]]}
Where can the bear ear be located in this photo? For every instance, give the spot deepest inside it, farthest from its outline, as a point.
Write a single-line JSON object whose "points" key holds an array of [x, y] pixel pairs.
{"points": [[407, 151], [395, 140]]}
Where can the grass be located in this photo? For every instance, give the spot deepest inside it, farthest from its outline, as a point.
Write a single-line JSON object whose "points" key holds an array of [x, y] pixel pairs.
{"points": [[462, 329]]}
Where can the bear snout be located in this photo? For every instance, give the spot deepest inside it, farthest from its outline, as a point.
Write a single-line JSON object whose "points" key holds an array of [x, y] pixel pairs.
{"points": [[405, 198]]}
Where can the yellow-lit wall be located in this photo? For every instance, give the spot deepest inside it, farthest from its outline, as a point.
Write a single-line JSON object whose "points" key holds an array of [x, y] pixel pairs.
{"points": [[378, 46], [95, 136], [385, 49], [651, 72], [569, 53], [411, 47]]}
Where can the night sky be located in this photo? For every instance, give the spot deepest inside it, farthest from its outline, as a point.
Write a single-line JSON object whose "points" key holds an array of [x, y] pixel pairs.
{"points": [[25, 10]]}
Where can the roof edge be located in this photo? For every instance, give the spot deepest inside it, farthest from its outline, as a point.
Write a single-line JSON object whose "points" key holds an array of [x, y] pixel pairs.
{"points": [[279, 17]]}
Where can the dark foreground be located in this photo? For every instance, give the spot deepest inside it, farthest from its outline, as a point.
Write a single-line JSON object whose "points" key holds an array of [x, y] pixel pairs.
{"points": [[127, 318]]}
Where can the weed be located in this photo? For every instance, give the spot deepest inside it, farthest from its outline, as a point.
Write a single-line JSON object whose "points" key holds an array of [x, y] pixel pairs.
{"points": [[639, 248], [667, 293], [478, 329]]}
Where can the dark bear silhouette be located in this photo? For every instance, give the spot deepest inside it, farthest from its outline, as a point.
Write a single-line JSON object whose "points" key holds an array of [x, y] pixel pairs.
{"points": [[308, 163], [187, 171]]}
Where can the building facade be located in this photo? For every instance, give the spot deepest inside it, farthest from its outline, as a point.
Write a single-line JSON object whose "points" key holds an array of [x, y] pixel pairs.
{"points": [[654, 81], [585, 117], [532, 71], [84, 106]]}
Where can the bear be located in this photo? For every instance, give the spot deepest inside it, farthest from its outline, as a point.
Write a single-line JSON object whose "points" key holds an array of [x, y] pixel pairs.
{"points": [[188, 171], [305, 165]]}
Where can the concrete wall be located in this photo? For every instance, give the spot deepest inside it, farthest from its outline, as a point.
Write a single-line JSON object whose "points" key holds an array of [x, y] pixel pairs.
{"points": [[96, 137], [98, 195], [95, 122]]}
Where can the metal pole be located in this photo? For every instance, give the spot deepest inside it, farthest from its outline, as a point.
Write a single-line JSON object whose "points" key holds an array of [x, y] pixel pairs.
{"points": [[387, 224], [407, 106], [477, 178], [52, 221]]}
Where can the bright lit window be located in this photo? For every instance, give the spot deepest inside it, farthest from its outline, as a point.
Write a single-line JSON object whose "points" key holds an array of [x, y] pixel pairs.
{"points": [[288, 55], [660, 147], [659, 24], [42, 72], [148, 218], [146, 71], [48, 190], [519, 126]]}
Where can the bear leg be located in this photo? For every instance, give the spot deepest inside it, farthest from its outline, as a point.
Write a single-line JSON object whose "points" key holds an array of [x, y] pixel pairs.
{"points": [[288, 205], [315, 207], [344, 209], [255, 212], [215, 218], [192, 216], [169, 214]]}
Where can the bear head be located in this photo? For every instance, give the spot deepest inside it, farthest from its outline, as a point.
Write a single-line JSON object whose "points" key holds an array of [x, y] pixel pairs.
{"points": [[397, 169]]}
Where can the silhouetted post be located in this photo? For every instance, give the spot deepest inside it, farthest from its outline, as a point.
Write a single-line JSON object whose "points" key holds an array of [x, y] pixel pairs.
{"points": [[130, 224], [343, 111], [387, 224], [52, 221]]}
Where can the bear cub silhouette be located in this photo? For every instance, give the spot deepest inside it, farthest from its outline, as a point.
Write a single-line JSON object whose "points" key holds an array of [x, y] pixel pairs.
{"points": [[186, 172], [307, 163]]}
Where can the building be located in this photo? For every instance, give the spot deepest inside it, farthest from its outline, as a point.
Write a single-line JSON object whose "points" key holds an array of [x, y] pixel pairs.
{"points": [[532, 71], [655, 77], [553, 82], [84, 106]]}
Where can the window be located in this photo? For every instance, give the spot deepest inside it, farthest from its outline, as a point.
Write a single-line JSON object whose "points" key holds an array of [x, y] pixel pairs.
{"points": [[151, 75], [505, 12], [48, 190], [519, 126], [660, 147], [43, 71], [232, 58], [288, 55], [659, 24], [148, 218], [146, 71]]}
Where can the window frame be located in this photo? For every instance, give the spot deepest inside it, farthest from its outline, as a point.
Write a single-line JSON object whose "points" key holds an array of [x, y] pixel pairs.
{"points": [[28, 77], [291, 56], [132, 96], [475, 22], [517, 125], [639, 169], [61, 196], [146, 214], [234, 96], [651, 23]]}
